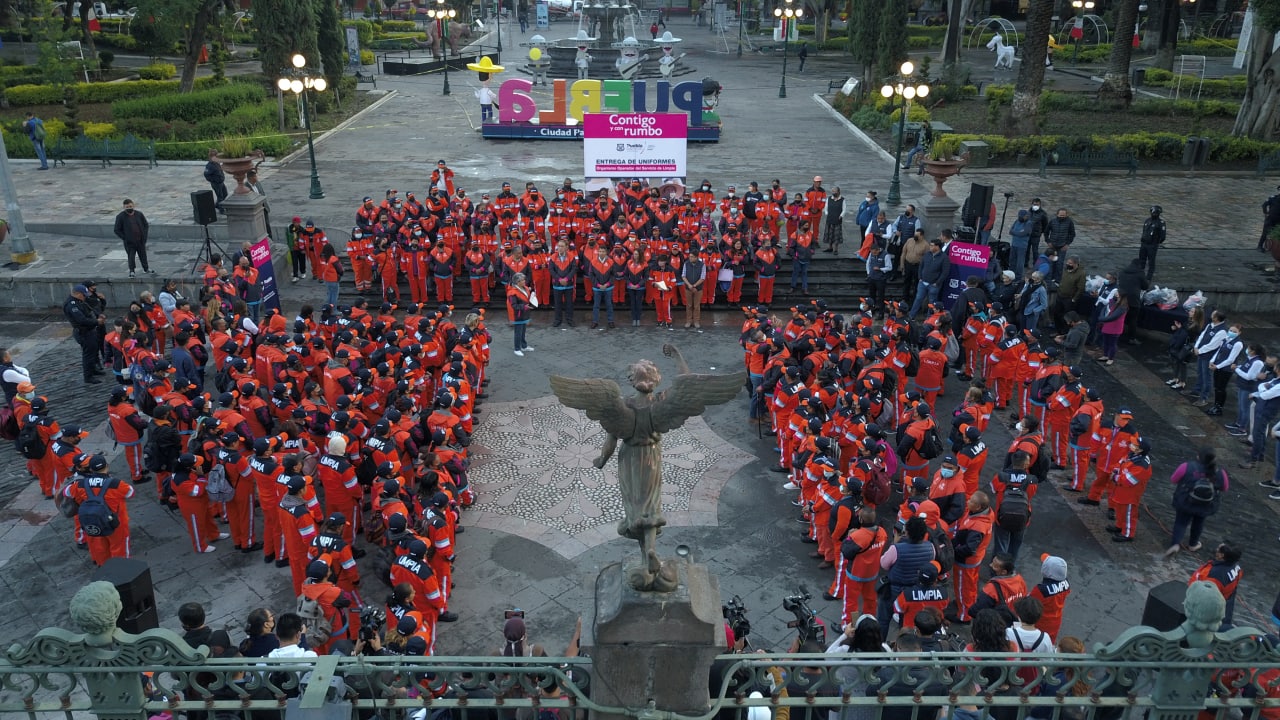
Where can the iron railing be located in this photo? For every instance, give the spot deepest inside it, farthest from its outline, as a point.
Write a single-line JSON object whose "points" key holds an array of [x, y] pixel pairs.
{"points": [[1160, 675]]}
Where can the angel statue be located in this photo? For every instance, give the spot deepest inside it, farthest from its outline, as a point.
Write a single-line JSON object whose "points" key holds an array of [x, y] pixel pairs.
{"points": [[639, 422]]}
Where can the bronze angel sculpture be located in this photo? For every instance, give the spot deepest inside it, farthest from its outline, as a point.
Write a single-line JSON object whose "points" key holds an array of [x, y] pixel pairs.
{"points": [[639, 422]]}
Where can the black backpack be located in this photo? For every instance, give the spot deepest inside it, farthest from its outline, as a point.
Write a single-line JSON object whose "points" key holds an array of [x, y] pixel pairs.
{"points": [[943, 551], [151, 460], [1204, 491], [1015, 510], [930, 444], [1040, 468], [96, 519], [29, 443], [913, 365]]}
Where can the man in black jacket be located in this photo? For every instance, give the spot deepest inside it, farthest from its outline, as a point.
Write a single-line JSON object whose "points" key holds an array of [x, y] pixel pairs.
{"points": [[1060, 232], [85, 325], [1131, 283], [131, 227], [1039, 225]]}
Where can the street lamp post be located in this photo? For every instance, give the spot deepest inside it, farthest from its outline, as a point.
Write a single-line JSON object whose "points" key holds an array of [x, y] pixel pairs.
{"points": [[785, 15], [903, 89], [300, 82], [1077, 29], [739, 28], [443, 15]]}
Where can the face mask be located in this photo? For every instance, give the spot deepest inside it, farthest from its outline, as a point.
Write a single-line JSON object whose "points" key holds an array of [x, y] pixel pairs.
{"points": [[1019, 427], [706, 187], [947, 472], [1233, 335], [27, 396]]}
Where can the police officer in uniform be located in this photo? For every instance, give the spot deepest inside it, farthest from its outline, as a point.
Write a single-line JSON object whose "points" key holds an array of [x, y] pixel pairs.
{"points": [[85, 324], [1153, 236]]}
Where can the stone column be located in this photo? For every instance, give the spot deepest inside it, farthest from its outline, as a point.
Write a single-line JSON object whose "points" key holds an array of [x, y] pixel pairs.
{"points": [[938, 213], [246, 220], [653, 646]]}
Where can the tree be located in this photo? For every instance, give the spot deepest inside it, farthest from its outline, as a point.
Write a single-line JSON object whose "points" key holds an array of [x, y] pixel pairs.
{"points": [[285, 27], [1163, 29], [330, 40], [1258, 112], [1025, 107], [202, 15], [1115, 90], [82, 9], [893, 38], [951, 41], [865, 22]]}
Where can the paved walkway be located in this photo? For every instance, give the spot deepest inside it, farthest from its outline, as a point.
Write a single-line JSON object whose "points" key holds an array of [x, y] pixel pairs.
{"points": [[542, 532]]}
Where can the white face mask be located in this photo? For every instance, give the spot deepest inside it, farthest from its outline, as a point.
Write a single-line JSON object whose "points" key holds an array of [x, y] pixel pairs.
{"points": [[1020, 428], [1035, 207]]}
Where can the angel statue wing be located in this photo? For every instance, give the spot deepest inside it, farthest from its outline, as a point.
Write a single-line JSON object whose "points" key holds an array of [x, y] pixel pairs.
{"points": [[600, 399], [691, 394]]}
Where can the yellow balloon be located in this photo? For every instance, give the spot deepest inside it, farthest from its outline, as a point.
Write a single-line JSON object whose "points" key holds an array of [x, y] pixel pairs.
{"points": [[535, 54]]}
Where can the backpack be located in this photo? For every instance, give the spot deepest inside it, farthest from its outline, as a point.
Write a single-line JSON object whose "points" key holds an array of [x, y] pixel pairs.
{"points": [[9, 423], [951, 349], [222, 379], [913, 365], [930, 444], [319, 627], [151, 460], [29, 443], [943, 551], [96, 519], [877, 489], [1015, 510], [218, 486], [1203, 489], [1043, 388], [38, 131], [1040, 468]]}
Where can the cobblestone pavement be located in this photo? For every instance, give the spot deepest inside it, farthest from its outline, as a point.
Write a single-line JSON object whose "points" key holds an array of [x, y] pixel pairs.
{"points": [[751, 540]]}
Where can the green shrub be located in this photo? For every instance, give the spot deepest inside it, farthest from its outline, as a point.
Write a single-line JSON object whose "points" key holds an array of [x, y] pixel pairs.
{"points": [[100, 131], [364, 30], [368, 58], [158, 71], [274, 145], [24, 95], [915, 113], [390, 26], [192, 107], [244, 120], [122, 42], [868, 118], [105, 58]]}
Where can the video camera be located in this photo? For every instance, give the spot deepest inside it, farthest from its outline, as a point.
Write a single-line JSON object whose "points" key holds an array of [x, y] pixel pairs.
{"points": [[373, 618], [807, 624], [736, 614]]}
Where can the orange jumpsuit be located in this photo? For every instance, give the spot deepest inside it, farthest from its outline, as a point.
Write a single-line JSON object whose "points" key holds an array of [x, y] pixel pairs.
{"points": [[193, 506], [1130, 482], [102, 549], [861, 550], [240, 509], [266, 473], [972, 538], [299, 529]]}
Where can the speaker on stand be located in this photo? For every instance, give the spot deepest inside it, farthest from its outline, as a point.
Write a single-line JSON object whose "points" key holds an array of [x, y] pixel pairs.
{"points": [[132, 579], [974, 212], [205, 213]]}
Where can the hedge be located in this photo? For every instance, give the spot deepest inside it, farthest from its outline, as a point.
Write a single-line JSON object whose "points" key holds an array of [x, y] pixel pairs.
{"points": [[390, 26], [1159, 147], [26, 95], [192, 107], [364, 29], [158, 71]]}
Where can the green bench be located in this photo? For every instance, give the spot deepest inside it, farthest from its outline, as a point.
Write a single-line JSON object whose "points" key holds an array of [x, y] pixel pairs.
{"points": [[913, 129], [1089, 158], [366, 77], [86, 148]]}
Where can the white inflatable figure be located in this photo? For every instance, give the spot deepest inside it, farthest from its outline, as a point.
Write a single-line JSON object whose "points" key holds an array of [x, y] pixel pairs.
{"points": [[668, 62], [582, 61], [539, 61], [1004, 53], [629, 57]]}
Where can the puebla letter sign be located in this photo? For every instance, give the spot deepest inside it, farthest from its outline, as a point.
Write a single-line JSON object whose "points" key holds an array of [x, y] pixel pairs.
{"points": [[560, 117], [636, 144]]}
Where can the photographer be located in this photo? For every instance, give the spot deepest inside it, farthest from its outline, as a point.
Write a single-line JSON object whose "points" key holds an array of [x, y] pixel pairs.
{"points": [[515, 635]]}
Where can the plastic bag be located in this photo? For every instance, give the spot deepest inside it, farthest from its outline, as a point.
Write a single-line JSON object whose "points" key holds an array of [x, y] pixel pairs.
{"points": [[1164, 298], [1093, 284], [1196, 300]]}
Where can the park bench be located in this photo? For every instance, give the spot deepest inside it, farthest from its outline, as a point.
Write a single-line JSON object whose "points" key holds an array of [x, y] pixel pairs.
{"points": [[363, 76], [1270, 161], [1088, 158], [86, 148]]}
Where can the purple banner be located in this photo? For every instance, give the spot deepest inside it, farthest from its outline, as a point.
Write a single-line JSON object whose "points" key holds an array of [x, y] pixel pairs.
{"points": [[260, 255], [966, 259]]}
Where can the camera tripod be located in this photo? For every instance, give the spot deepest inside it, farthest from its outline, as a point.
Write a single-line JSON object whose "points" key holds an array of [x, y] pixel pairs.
{"points": [[206, 250]]}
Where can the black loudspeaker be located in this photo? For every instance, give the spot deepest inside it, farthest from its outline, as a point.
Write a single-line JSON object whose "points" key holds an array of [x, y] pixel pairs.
{"points": [[132, 579], [1163, 610], [203, 208], [978, 204]]}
